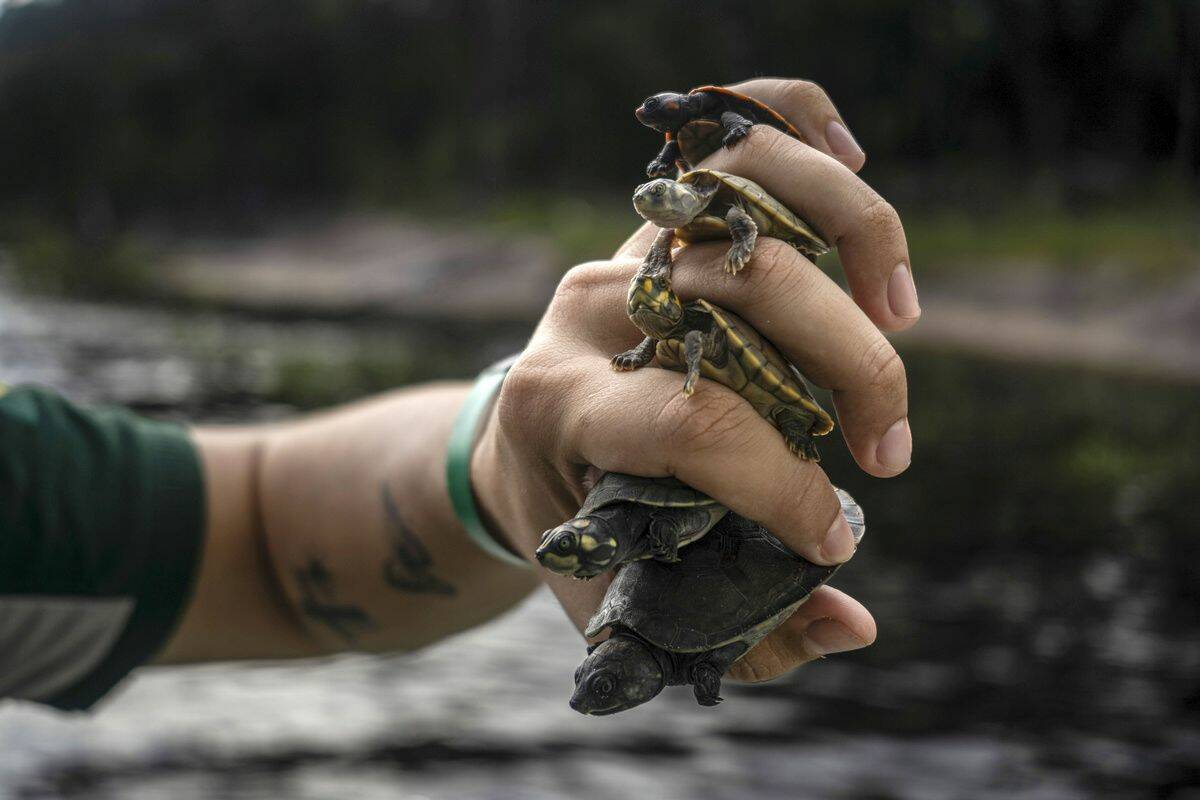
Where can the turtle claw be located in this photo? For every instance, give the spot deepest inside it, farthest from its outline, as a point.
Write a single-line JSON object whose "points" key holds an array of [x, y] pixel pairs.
{"points": [[735, 134], [625, 362], [736, 260], [659, 169]]}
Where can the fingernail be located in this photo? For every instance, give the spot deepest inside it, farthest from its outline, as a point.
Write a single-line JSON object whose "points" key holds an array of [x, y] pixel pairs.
{"points": [[839, 542], [827, 636], [842, 143], [894, 450], [902, 293]]}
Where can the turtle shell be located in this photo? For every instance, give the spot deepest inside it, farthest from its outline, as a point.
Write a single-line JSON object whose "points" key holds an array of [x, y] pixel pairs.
{"points": [[757, 371], [702, 137], [617, 487], [735, 584], [772, 217]]}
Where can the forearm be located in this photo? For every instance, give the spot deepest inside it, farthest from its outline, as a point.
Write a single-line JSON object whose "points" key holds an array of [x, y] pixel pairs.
{"points": [[342, 536]]}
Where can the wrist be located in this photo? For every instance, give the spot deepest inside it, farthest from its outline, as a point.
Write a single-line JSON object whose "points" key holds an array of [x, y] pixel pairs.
{"points": [[471, 426], [493, 493]]}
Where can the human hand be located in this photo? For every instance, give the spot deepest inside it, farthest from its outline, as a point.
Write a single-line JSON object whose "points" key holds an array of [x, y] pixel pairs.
{"points": [[563, 412]]}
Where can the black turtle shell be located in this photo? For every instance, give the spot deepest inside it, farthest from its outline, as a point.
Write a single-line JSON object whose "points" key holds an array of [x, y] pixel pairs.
{"points": [[723, 589]]}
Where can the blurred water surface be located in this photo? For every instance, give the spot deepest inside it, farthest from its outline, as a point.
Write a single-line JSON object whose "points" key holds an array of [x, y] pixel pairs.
{"points": [[1034, 578]]}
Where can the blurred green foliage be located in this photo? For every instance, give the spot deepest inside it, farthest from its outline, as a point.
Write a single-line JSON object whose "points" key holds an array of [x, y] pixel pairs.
{"points": [[180, 114]]}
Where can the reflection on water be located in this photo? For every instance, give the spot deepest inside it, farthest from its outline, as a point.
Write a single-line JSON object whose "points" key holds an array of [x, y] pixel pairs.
{"points": [[1034, 580]]}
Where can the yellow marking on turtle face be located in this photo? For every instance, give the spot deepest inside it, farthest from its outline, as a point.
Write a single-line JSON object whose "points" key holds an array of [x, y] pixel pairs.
{"points": [[588, 543], [647, 285], [581, 523], [662, 297], [555, 562]]}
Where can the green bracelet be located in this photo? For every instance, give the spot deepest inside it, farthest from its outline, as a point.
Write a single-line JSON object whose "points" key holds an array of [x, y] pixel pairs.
{"points": [[458, 459]]}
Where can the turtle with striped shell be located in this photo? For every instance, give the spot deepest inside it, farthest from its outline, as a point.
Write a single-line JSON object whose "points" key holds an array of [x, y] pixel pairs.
{"points": [[626, 518], [699, 338], [699, 122], [708, 204]]}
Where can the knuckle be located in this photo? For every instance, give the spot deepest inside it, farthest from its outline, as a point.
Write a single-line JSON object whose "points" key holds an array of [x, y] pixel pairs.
{"points": [[804, 92], [582, 280], [763, 145], [879, 214], [532, 384], [774, 276], [708, 420], [881, 365]]}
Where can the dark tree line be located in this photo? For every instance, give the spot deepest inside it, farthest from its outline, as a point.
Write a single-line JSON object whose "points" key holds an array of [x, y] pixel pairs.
{"points": [[118, 112]]}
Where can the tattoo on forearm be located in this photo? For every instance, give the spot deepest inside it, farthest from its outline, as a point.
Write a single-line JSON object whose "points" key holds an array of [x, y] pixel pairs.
{"points": [[410, 569], [318, 601]]}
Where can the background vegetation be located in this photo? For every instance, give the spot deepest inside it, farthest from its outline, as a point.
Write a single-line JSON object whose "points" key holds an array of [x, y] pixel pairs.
{"points": [[179, 115]]}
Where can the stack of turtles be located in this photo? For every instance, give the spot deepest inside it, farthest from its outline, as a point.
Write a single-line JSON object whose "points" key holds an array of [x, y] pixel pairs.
{"points": [[696, 585]]}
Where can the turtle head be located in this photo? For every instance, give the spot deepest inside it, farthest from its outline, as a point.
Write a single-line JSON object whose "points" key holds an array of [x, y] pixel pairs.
{"points": [[668, 203], [652, 305], [582, 547], [618, 674], [666, 111]]}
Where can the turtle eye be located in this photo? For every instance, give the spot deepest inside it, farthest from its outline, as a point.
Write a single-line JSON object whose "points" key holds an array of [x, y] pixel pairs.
{"points": [[564, 544], [602, 685], [651, 103], [658, 190]]}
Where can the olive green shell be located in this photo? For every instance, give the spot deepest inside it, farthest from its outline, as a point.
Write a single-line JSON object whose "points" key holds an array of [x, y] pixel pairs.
{"points": [[616, 487], [757, 370], [772, 217], [735, 585]]}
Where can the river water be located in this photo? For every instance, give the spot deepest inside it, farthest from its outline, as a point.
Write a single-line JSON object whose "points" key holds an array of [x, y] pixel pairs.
{"points": [[1034, 578]]}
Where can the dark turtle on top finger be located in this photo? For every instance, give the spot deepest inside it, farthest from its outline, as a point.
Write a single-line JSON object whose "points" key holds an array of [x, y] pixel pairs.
{"points": [[699, 338], [708, 204], [687, 622], [700, 122], [626, 518]]}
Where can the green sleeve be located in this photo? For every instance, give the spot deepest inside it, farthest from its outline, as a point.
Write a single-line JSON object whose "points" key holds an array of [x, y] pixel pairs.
{"points": [[97, 506]]}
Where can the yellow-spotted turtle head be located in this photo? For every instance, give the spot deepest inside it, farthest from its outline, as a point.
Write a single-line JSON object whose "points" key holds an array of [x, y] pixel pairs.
{"points": [[668, 203], [582, 547], [619, 673], [652, 305]]}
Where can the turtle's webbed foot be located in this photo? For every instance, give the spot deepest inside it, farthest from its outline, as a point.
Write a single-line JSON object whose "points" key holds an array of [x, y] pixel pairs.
{"points": [[738, 257], [627, 361], [735, 134], [706, 684]]}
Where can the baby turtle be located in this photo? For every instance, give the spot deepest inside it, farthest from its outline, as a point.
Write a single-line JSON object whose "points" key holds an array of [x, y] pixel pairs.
{"points": [[699, 338], [699, 122], [707, 204], [689, 621], [626, 518]]}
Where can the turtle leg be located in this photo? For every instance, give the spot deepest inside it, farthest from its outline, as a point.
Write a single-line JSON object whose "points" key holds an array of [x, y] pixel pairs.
{"points": [[658, 257], [664, 539], [706, 683], [796, 430], [664, 163], [705, 674], [637, 357], [744, 233], [693, 352], [736, 127]]}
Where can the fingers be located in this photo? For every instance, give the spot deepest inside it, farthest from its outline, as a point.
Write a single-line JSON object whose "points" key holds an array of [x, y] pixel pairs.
{"points": [[830, 621], [794, 305], [808, 107], [852, 216], [819, 328], [640, 423]]}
